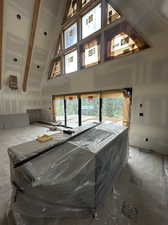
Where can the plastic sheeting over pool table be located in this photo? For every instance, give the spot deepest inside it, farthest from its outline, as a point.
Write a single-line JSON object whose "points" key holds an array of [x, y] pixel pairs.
{"points": [[70, 179]]}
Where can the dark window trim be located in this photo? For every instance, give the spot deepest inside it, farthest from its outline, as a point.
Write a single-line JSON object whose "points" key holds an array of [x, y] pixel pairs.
{"points": [[127, 91], [65, 112]]}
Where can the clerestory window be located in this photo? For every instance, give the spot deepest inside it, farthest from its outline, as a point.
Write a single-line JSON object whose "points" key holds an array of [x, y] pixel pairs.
{"points": [[92, 33], [91, 22]]}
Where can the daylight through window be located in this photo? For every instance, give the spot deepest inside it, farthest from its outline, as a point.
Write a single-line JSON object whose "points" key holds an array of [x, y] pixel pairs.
{"points": [[70, 36], [90, 108], [113, 108], [112, 15], [71, 62], [82, 109], [91, 22], [91, 55], [85, 2], [72, 111], [56, 69], [122, 44], [92, 33], [59, 110], [72, 8]]}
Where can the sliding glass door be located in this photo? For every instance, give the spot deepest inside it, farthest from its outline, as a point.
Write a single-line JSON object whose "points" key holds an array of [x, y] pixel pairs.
{"points": [[113, 107], [59, 112], [72, 111], [90, 107]]}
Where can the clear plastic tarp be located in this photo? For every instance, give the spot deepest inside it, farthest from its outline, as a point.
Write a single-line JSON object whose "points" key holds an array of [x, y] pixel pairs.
{"points": [[71, 180]]}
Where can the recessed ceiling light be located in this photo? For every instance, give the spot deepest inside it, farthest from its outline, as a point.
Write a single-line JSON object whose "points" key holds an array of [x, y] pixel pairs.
{"points": [[18, 16], [15, 59]]}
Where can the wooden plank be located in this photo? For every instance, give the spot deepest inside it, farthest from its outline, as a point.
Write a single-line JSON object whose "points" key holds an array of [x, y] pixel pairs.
{"points": [[36, 11], [1, 38]]}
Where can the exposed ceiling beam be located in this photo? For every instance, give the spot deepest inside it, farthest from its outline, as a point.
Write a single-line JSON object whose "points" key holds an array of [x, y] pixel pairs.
{"points": [[36, 11], [1, 38]]}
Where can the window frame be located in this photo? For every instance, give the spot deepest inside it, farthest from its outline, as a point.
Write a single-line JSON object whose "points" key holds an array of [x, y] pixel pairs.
{"points": [[65, 107], [52, 67], [67, 9], [82, 53], [85, 13], [123, 27], [117, 11], [67, 53], [98, 96], [72, 46], [127, 93], [102, 32]]}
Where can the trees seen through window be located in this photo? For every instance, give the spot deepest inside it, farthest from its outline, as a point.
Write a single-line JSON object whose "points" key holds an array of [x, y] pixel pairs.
{"points": [[81, 109]]}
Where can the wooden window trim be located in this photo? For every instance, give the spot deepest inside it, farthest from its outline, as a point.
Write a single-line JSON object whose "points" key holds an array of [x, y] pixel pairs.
{"points": [[82, 53], [67, 9], [80, 11], [52, 66], [59, 42], [123, 27], [103, 32]]}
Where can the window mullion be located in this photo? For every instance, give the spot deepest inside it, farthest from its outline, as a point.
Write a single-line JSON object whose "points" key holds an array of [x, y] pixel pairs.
{"points": [[65, 111], [79, 111], [79, 33], [100, 108], [102, 48], [103, 13], [103, 22]]}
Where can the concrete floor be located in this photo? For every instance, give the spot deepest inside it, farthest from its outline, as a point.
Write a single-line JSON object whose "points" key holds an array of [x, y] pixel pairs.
{"points": [[139, 197]]}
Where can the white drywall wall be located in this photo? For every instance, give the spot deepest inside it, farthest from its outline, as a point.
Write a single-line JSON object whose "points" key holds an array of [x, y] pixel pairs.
{"points": [[13, 102], [146, 72]]}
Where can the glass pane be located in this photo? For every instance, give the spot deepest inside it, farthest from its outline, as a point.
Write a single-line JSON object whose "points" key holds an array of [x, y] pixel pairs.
{"points": [[72, 111], [72, 8], [90, 109], [71, 62], [112, 15], [85, 2], [113, 110], [59, 110], [91, 54], [122, 44], [91, 22], [70, 36], [56, 69]]}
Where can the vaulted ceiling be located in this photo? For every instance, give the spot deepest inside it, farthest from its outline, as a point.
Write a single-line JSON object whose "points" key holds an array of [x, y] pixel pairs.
{"points": [[31, 29]]}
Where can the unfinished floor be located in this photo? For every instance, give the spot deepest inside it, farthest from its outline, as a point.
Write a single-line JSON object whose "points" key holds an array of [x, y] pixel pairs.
{"points": [[139, 197]]}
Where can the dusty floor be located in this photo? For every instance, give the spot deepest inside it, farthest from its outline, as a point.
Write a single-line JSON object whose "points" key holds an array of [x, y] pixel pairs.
{"points": [[140, 195]]}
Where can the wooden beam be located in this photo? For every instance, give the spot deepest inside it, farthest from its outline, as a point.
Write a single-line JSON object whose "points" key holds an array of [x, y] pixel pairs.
{"points": [[1, 38], [37, 4]]}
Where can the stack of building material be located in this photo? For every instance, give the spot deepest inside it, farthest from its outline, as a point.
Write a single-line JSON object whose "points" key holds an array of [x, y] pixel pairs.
{"points": [[69, 180], [9, 121]]}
